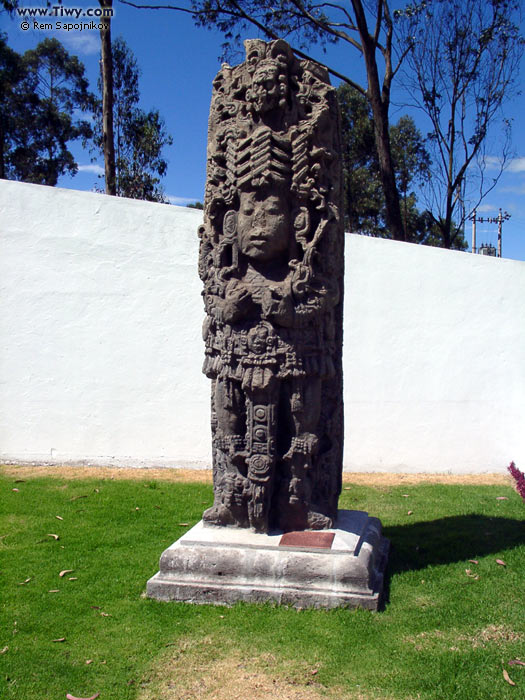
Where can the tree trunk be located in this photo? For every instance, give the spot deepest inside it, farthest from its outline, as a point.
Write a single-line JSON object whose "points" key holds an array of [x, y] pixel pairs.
{"points": [[394, 219], [107, 100], [2, 152], [447, 228], [379, 102]]}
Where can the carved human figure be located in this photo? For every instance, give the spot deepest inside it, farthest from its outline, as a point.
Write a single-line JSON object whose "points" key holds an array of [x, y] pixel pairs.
{"points": [[271, 261]]}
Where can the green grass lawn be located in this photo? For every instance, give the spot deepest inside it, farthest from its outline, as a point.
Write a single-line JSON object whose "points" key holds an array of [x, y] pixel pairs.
{"points": [[442, 634]]}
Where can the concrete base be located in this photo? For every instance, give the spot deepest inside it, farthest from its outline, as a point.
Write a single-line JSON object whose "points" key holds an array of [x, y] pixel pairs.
{"points": [[222, 565]]}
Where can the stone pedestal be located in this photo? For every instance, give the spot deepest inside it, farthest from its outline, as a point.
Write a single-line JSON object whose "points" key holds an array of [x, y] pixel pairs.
{"points": [[342, 566]]}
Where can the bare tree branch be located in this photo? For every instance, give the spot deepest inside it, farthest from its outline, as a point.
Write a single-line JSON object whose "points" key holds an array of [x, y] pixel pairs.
{"points": [[307, 22], [379, 21], [350, 24], [464, 55], [270, 35], [325, 26]]}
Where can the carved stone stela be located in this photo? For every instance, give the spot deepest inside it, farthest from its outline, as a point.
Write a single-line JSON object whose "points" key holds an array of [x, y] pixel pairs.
{"points": [[271, 260]]}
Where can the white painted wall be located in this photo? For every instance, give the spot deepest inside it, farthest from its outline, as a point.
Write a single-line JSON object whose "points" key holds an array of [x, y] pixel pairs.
{"points": [[100, 326], [100, 358], [434, 359]]}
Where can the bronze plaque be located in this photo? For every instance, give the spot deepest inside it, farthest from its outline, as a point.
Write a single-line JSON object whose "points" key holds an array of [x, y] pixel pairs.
{"points": [[307, 538]]}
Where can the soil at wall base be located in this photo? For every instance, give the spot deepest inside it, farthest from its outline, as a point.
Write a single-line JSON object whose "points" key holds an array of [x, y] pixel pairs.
{"points": [[378, 479]]}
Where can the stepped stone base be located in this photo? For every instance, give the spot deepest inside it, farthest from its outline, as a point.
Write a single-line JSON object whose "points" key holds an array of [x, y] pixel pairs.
{"points": [[324, 569]]}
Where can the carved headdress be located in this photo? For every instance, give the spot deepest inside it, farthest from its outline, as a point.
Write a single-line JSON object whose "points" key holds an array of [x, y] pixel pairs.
{"points": [[271, 261], [273, 122]]}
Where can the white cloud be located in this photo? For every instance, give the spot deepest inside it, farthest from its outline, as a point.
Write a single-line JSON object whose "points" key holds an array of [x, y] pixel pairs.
{"points": [[517, 165], [492, 163], [486, 208], [92, 168], [83, 116], [181, 201], [514, 189], [86, 43]]}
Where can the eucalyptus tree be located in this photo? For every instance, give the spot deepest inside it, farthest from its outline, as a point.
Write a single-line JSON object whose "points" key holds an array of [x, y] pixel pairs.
{"points": [[44, 94], [139, 136], [365, 208], [368, 31], [106, 70]]}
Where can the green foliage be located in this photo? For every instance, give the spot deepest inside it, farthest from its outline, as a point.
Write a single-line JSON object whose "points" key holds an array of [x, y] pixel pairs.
{"points": [[444, 633], [195, 205], [140, 136], [14, 104], [364, 198], [364, 29], [438, 233], [9, 6], [274, 19], [40, 92], [411, 158]]}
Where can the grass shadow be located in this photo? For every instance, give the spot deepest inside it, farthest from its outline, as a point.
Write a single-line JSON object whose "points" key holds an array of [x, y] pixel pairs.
{"points": [[447, 540], [451, 539]]}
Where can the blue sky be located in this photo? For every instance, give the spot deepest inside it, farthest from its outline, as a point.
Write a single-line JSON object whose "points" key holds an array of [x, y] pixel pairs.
{"points": [[178, 62]]}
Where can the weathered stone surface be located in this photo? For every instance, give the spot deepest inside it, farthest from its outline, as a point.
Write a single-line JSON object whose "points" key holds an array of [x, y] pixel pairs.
{"points": [[271, 259], [223, 565]]}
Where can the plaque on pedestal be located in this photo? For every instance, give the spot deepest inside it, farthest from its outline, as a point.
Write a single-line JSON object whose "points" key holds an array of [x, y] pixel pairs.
{"points": [[271, 260], [223, 565]]}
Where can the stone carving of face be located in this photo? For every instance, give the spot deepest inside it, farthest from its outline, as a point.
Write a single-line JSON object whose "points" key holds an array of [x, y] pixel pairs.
{"points": [[259, 340], [263, 226], [266, 89]]}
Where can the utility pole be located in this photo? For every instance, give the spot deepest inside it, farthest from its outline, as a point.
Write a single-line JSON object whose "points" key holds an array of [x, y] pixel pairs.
{"points": [[499, 219]]}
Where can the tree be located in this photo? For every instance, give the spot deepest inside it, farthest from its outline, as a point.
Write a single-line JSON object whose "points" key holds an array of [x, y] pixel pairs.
{"points": [[139, 136], [411, 163], [304, 22], [13, 106], [364, 200], [362, 184], [462, 66], [41, 90], [10, 6], [106, 69]]}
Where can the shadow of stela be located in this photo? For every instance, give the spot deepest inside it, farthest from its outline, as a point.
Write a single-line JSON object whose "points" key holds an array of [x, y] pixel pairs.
{"points": [[447, 540], [451, 539]]}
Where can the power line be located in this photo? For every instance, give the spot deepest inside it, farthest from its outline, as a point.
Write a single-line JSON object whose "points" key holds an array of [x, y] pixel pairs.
{"points": [[499, 219]]}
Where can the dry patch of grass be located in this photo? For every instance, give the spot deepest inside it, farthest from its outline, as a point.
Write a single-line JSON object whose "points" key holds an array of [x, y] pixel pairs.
{"points": [[429, 640], [204, 476], [499, 635], [425, 601], [210, 669], [205, 670], [495, 634]]}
